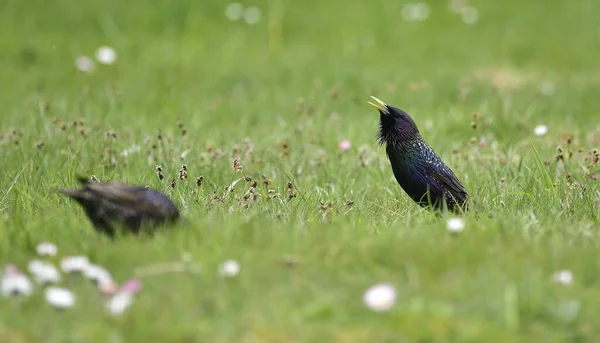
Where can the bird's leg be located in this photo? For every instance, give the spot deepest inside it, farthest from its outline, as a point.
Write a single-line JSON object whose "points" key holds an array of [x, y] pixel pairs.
{"points": [[102, 226]]}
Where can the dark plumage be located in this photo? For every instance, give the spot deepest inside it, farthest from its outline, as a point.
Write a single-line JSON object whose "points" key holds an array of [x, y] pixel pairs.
{"points": [[416, 166], [112, 203]]}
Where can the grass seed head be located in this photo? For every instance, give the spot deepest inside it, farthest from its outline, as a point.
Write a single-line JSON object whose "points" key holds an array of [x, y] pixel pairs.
{"points": [[183, 174], [237, 165], [292, 191], [159, 173]]}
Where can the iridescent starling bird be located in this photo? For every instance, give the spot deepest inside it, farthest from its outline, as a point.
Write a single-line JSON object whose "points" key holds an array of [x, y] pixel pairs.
{"points": [[133, 207], [418, 169]]}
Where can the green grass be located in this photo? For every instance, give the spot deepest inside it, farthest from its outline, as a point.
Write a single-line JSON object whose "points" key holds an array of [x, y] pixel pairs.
{"points": [[301, 77]]}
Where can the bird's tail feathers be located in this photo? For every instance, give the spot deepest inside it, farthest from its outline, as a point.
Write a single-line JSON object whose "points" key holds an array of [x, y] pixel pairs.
{"points": [[72, 193]]}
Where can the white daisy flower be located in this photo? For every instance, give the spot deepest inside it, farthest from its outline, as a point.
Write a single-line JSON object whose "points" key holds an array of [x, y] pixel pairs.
{"points": [[106, 55], [43, 272], [14, 282], [46, 249], [97, 274], [60, 298], [417, 11], [108, 288], [455, 225], [540, 130], [84, 64], [469, 15], [380, 297], [234, 11], [119, 302], [229, 268], [74, 264], [252, 15], [563, 276]]}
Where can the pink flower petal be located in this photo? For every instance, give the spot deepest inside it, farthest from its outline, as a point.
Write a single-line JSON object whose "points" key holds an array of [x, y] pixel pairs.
{"points": [[131, 286], [11, 269], [345, 145]]}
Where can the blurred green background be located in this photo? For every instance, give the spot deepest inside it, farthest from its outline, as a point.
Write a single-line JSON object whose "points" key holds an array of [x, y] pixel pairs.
{"points": [[174, 58]]}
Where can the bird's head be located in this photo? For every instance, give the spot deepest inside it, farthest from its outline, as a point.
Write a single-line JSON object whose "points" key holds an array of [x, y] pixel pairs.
{"points": [[396, 126]]}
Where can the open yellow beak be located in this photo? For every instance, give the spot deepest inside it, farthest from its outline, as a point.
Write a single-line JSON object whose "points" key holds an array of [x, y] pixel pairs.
{"points": [[381, 105]]}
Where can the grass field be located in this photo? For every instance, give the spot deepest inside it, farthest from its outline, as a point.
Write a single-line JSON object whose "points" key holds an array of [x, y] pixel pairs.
{"points": [[192, 87]]}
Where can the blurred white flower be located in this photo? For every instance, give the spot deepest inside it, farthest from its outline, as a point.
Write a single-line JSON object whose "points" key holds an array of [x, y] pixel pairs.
{"points": [[547, 88], [106, 55], [186, 256], [35, 265], [46, 249], [380, 297], [43, 272], [108, 288], [417, 11], [458, 5], [60, 298], [252, 15], [563, 276], [97, 274], [429, 124], [540, 130], [74, 264], [229, 268], [184, 154], [469, 15], [84, 64], [234, 11], [567, 310], [131, 150], [455, 225], [119, 302], [14, 282]]}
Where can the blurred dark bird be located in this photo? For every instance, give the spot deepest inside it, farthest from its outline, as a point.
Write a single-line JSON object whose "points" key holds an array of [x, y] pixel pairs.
{"points": [[418, 169], [131, 207]]}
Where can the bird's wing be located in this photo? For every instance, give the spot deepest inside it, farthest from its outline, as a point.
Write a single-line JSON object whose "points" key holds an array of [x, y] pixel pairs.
{"points": [[116, 192], [153, 205], [141, 199], [445, 177]]}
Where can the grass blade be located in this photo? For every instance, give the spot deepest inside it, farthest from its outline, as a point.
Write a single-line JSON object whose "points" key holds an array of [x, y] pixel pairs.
{"points": [[545, 175]]}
